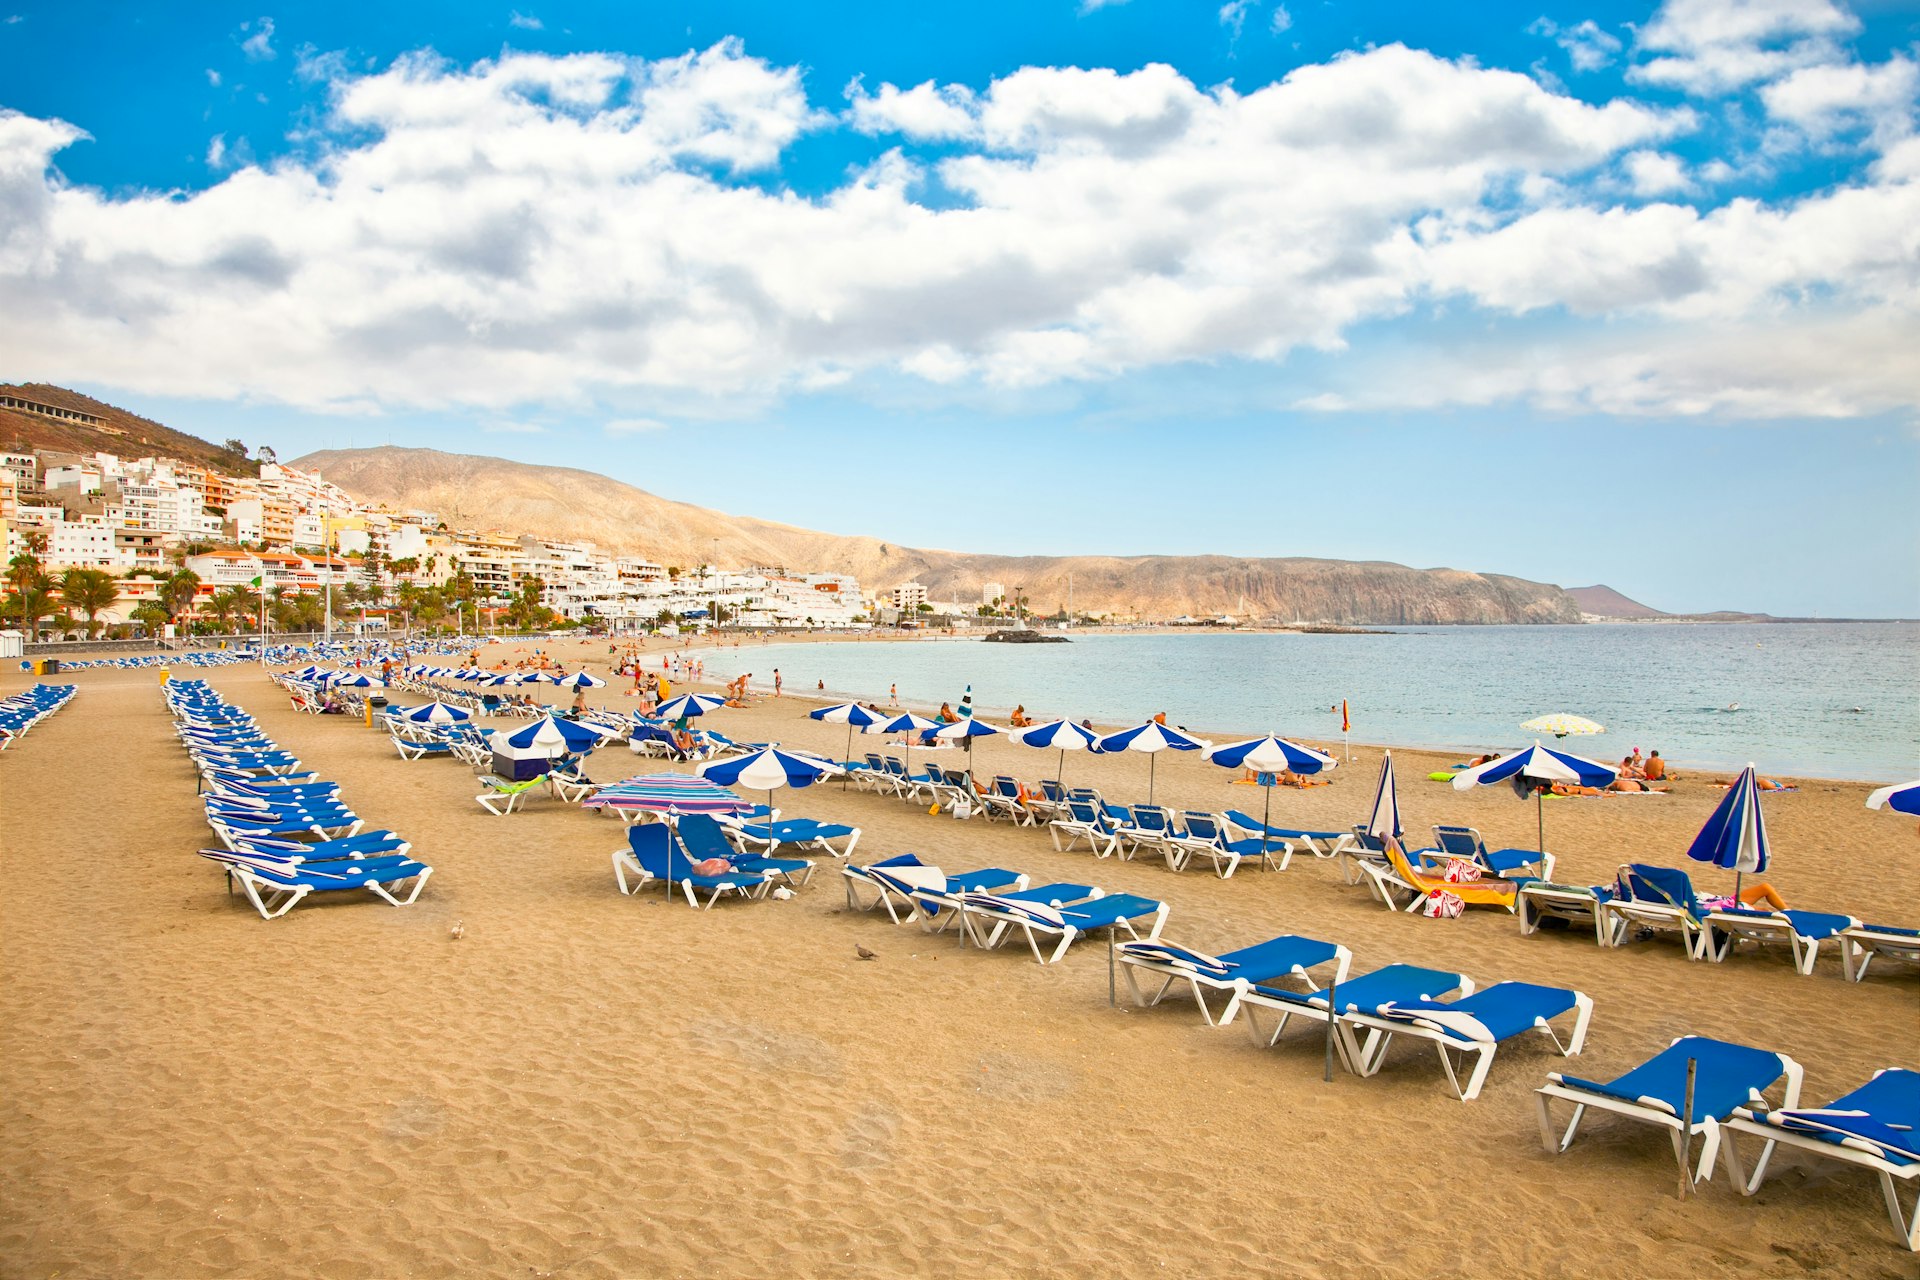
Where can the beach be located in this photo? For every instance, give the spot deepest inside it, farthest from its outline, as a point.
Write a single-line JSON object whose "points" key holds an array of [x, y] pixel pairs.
{"points": [[592, 1085]]}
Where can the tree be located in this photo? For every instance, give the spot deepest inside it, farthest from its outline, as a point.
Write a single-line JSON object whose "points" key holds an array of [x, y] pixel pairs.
{"points": [[230, 603], [90, 591], [31, 603], [150, 614], [923, 607], [26, 575], [177, 592]]}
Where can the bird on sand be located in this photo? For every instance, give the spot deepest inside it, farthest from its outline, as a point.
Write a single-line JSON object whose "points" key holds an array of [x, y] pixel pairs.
{"points": [[865, 954]]}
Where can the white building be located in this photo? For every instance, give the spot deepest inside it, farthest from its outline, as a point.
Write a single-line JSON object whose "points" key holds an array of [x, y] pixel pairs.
{"points": [[908, 597], [86, 543], [991, 591]]}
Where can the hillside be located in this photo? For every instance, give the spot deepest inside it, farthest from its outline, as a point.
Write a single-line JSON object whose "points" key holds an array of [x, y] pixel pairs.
{"points": [[119, 432], [563, 503], [1605, 602]]}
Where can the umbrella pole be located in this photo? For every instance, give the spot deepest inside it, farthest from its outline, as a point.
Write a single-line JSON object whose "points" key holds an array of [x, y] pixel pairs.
{"points": [[1540, 808], [1061, 769], [846, 778], [1266, 821], [1153, 761]]}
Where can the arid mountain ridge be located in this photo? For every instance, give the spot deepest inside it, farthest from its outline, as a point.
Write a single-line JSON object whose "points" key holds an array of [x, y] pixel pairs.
{"points": [[469, 491]]}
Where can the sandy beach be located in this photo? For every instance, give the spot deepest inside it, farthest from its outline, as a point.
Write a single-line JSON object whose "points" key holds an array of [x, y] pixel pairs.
{"points": [[590, 1085]]}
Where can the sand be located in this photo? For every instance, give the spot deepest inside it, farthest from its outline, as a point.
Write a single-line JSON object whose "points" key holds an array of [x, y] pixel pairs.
{"points": [[591, 1085]]}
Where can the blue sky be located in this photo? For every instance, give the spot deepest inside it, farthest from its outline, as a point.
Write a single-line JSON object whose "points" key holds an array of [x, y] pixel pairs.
{"points": [[1614, 293]]}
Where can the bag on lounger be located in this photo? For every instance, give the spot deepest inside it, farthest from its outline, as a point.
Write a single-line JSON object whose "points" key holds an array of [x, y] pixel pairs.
{"points": [[1443, 905]]}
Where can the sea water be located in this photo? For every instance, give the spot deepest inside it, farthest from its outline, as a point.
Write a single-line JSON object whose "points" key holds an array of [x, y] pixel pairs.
{"points": [[1834, 700]]}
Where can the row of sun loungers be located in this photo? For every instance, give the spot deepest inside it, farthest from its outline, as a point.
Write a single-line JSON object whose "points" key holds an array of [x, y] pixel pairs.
{"points": [[21, 712], [284, 832], [1647, 900]]}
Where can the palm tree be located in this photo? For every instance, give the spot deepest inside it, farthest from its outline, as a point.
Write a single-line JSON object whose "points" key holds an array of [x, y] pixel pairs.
{"points": [[150, 614], [177, 592], [29, 582], [90, 591]]}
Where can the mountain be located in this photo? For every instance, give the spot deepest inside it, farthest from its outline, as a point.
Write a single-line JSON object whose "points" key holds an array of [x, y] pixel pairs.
{"points": [[566, 504], [1605, 602], [110, 429]]}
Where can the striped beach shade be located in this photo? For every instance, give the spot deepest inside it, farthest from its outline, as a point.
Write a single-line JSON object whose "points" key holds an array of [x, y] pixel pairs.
{"points": [[1268, 757], [1534, 771], [434, 713], [358, 680], [1152, 738], [555, 736], [1902, 797], [689, 704], [1383, 819], [666, 793], [908, 723], [1735, 834], [766, 769], [850, 714], [581, 680], [1056, 735]]}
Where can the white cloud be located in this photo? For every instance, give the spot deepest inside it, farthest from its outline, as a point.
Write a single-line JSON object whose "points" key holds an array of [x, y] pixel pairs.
{"points": [[213, 77], [1655, 173], [1588, 46], [217, 151], [258, 45], [1714, 46], [1282, 20], [316, 66], [525, 21], [633, 426], [538, 228], [1088, 6], [498, 428], [1233, 15], [1827, 100], [925, 111]]}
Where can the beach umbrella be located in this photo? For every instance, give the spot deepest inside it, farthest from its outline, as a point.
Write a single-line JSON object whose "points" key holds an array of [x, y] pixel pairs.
{"points": [[965, 730], [1535, 770], [671, 794], [908, 723], [1056, 735], [581, 680], [689, 704], [358, 680], [541, 677], [1562, 724], [1269, 757], [766, 769], [852, 715], [1735, 834], [555, 736], [1383, 819], [1902, 797], [434, 713], [1152, 738]]}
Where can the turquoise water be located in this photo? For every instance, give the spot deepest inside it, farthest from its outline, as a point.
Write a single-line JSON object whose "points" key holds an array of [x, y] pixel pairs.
{"points": [[1664, 686]]}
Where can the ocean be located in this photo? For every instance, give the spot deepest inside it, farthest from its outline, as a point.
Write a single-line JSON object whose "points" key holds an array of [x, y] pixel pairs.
{"points": [[1832, 700]]}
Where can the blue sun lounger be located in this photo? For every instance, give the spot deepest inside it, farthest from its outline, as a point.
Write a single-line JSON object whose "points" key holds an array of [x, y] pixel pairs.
{"points": [[1861, 943], [1801, 932], [1726, 1076], [1465, 842], [1394, 984], [1282, 957], [703, 838], [922, 889], [804, 832], [1475, 1026], [1063, 911], [1876, 1127], [1321, 844], [652, 854], [275, 888]]}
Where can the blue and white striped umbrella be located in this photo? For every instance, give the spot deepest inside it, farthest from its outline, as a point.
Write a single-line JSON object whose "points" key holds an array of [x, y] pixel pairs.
{"points": [[766, 769], [1902, 797], [1270, 755], [1534, 771], [555, 736], [1735, 834], [1383, 819], [1056, 735], [1152, 738], [689, 704], [965, 729], [581, 680], [358, 680], [669, 793], [434, 713], [850, 714], [908, 723]]}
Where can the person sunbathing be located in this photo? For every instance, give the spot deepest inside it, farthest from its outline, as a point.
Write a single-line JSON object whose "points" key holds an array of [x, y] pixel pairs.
{"points": [[1759, 895]]}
